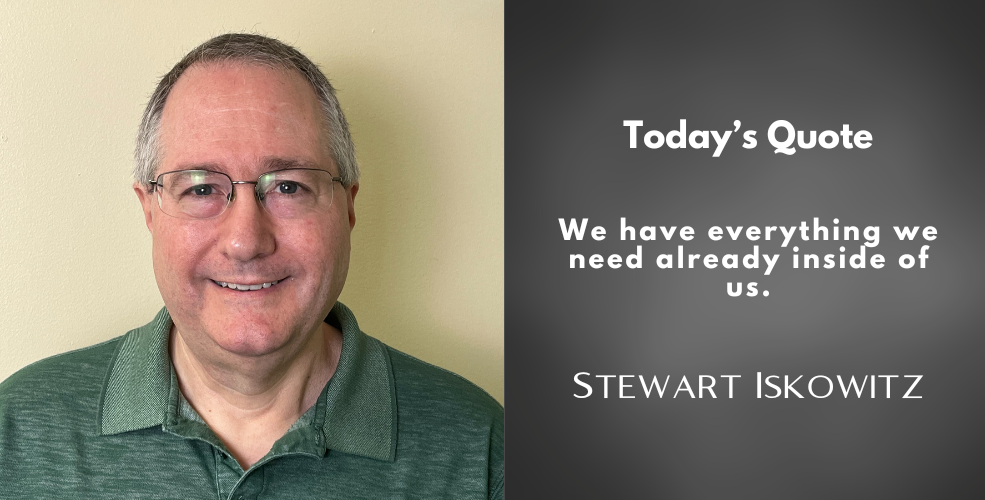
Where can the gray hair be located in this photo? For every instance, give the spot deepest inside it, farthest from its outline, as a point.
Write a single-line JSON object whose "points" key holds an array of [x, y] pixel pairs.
{"points": [[250, 49]]}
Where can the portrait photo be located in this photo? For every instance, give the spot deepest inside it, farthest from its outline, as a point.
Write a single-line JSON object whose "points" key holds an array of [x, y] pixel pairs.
{"points": [[207, 196]]}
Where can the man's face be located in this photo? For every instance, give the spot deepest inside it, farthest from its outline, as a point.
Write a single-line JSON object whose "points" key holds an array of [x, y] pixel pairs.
{"points": [[240, 119]]}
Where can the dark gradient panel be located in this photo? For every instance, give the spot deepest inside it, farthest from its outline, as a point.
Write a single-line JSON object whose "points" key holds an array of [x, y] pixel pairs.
{"points": [[910, 76]]}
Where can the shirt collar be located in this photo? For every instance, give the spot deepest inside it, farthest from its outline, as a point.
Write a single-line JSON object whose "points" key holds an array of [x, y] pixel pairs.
{"points": [[355, 413]]}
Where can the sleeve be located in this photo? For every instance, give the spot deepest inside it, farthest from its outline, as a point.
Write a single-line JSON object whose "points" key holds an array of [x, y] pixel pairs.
{"points": [[497, 465]]}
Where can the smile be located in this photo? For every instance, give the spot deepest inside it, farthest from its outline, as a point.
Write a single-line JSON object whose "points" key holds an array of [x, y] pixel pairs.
{"points": [[246, 288]]}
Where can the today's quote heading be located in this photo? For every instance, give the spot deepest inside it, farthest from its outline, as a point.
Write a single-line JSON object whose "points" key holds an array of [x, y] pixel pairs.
{"points": [[782, 135]]}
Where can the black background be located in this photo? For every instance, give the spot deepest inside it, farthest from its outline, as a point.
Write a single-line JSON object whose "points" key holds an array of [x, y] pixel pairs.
{"points": [[912, 76]]}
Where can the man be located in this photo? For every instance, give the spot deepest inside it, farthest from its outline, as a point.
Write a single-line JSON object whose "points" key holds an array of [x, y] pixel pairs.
{"points": [[253, 381]]}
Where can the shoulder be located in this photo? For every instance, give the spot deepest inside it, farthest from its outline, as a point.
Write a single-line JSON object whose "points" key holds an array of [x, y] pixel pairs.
{"points": [[419, 384], [65, 379], [441, 414]]}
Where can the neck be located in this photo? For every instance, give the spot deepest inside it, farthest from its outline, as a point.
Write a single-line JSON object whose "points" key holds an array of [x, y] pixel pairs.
{"points": [[251, 402]]}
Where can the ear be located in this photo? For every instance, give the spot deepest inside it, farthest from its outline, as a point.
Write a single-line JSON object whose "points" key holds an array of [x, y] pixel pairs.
{"points": [[350, 193], [146, 203]]}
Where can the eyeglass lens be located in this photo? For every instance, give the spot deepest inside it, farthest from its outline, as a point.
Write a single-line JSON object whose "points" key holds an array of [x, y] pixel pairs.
{"points": [[285, 194]]}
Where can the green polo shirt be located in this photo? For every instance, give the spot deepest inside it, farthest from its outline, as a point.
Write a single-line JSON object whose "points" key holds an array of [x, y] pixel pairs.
{"points": [[108, 421]]}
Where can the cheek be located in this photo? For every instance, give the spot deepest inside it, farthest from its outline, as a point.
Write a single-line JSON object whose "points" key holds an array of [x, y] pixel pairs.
{"points": [[323, 240], [325, 248], [175, 252]]}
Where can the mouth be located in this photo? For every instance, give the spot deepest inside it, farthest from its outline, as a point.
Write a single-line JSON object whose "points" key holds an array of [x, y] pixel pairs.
{"points": [[247, 287]]}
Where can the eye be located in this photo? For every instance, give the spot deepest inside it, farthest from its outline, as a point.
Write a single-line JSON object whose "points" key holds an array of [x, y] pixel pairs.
{"points": [[287, 187], [199, 191]]}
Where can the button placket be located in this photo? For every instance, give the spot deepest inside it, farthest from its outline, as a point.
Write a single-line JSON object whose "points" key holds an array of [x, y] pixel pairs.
{"points": [[250, 486]]}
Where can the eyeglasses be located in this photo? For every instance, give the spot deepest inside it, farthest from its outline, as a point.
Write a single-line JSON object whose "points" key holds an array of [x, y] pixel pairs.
{"points": [[284, 194]]}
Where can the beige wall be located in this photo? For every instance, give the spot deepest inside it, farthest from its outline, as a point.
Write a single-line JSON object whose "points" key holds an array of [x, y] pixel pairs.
{"points": [[421, 83]]}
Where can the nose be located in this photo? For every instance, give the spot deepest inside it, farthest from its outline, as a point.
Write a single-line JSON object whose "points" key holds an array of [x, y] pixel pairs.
{"points": [[246, 231]]}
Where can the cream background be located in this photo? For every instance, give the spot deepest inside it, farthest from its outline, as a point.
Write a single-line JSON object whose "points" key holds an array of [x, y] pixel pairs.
{"points": [[421, 84]]}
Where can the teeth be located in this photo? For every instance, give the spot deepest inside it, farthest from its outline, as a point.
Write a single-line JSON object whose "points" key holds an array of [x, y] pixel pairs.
{"points": [[237, 286]]}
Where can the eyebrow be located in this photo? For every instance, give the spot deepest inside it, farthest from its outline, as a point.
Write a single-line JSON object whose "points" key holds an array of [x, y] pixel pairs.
{"points": [[269, 164], [276, 163]]}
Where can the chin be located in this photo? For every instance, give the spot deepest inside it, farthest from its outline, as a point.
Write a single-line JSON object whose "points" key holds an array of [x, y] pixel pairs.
{"points": [[251, 340]]}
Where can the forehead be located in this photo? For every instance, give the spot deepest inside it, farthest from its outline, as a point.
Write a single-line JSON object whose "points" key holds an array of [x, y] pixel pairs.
{"points": [[237, 115]]}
